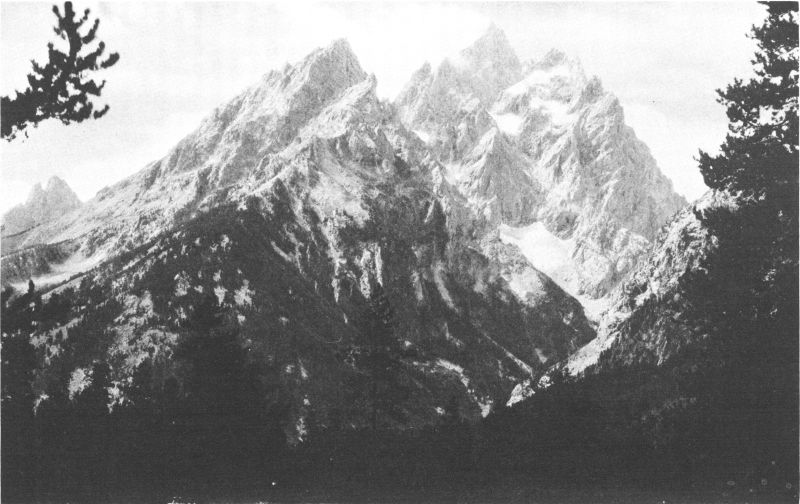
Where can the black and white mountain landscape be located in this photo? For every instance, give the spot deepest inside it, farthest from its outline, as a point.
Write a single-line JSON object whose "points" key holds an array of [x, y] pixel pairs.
{"points": [[483, 290]]}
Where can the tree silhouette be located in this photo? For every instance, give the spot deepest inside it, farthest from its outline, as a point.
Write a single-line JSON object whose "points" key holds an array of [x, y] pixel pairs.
{"points": [[62, 88], [759, 162], [745, 294], [759, 155]]}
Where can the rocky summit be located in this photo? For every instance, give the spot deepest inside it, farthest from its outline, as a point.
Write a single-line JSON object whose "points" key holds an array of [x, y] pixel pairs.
{"points": [[42, 205], [542, 152], [481, 220]]}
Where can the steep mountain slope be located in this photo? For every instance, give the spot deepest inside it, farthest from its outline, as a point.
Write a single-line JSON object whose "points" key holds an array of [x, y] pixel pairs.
{"points": [[541, 143], [646, 322], [235, 138], [290, 210], [649, 323]]}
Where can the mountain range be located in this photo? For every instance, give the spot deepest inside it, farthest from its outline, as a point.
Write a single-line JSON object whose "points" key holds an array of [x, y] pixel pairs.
{"points": [[490, 215]]}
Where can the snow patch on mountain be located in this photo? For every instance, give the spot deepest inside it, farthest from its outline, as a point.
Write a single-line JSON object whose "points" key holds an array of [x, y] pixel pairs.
{"points": [[553, 256], [509, 122], [545, 251], [441, 285]]}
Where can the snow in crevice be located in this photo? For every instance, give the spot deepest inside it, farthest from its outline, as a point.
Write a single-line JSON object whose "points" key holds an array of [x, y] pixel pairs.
{"points": [[450, 338], [379, 266], [519, 362], [286, 257], [417, 283], [303, 371], [337, 257], [509, 122], [425, 137], [439, 281]]}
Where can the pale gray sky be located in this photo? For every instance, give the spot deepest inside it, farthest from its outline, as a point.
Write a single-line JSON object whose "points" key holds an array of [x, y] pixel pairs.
{"points": [[180, 60]]}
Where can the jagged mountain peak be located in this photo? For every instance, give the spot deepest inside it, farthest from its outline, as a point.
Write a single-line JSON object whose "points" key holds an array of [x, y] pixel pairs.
{"points": [[337, 56], [493, 31], [460, 86], [555, 57], [490, 62], [56, 183], [492, 46], [326, 72], [266, 117], [55, 190], [43, 204]]}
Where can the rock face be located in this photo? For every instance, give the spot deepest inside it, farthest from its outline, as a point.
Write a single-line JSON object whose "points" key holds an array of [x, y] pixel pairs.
{"points": [[541, 143], [292, 208], [43, 205], [647, 324]]}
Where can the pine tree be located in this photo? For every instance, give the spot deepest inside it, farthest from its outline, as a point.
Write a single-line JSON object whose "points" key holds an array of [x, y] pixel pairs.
{"points": [[62, 88], [759, 158], [17, 402], [745, 294], [759, 155], [758, 162]]}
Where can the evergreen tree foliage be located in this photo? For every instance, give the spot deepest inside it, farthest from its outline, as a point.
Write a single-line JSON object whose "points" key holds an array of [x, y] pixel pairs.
{"points": [[749, 285], [62, 88], [17, 403], [745, 296], [759, 158], [758, 161], [377, 358], [759, 154]]}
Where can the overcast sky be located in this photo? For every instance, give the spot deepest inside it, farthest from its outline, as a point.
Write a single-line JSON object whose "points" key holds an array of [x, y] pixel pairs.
{"points": [[180, 60]]}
